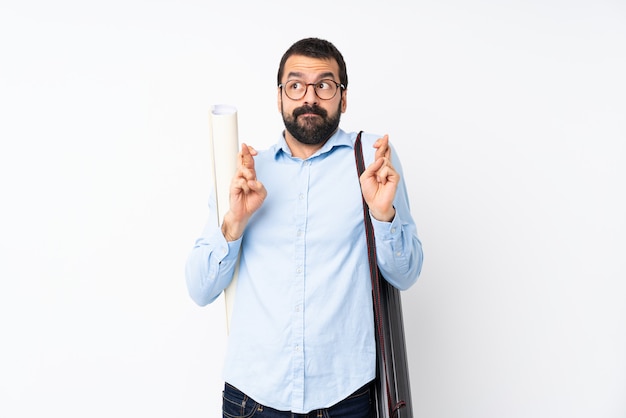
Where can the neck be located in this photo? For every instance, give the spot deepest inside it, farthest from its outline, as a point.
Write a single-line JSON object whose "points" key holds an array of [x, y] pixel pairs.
{"points": [[299, 149]]}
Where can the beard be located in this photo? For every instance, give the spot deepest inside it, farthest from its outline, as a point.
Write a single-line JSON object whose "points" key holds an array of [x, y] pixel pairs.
{"points": [[310, 130]]}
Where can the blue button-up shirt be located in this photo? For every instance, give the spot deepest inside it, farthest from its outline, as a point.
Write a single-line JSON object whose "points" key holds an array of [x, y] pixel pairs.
{"points": [[302, 330]]}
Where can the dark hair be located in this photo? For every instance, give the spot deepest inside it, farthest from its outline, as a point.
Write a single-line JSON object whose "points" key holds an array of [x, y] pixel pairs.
{"points": [[315, 48]]}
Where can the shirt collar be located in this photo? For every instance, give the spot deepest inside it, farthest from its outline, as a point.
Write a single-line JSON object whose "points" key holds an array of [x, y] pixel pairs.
{"points": [[339, 139]]}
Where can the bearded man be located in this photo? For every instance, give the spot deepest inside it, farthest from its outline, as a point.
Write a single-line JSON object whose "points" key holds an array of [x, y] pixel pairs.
{"points": [[301, 339]]}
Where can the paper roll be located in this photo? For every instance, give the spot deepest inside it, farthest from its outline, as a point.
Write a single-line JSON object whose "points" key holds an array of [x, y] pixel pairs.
{"points": [[224, 143]]}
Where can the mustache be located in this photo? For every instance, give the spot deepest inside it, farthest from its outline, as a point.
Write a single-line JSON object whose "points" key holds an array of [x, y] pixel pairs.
{"points": [[309, 109]]}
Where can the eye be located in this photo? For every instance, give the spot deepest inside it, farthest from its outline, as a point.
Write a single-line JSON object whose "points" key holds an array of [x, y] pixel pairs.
{"points": [[295, 85], [325, 85]]}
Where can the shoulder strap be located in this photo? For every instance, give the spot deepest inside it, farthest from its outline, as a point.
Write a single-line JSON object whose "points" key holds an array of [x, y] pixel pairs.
{"points": [[376, 285]]}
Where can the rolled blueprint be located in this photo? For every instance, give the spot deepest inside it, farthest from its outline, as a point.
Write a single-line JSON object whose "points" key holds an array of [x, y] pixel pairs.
{"points": [[224, 143]]}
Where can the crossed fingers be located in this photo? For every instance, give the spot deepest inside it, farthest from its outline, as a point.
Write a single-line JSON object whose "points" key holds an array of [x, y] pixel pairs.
{"points": [[245, 167]]}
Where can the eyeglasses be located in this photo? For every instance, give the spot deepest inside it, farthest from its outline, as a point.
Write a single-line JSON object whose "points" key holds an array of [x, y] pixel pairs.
{"points": [[325, 89]]}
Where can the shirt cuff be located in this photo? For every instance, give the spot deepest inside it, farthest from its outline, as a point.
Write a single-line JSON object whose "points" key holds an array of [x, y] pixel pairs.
{"points": [[387, 231], [224, 250]]}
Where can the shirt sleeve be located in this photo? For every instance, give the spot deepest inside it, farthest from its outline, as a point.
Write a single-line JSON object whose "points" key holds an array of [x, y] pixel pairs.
{"points": [[211, 263], [398, 251]]}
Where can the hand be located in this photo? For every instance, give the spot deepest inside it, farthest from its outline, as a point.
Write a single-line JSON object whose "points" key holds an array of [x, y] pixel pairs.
{"points": [[246, 195], [379, 182]]}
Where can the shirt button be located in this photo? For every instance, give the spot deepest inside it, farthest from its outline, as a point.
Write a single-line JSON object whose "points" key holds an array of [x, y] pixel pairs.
{"points": [[301, 196], [398, 254], [299, 270], [393, 230]]}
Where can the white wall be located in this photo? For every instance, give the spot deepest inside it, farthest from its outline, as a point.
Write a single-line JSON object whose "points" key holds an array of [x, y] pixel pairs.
{"points": [[511, 121]]}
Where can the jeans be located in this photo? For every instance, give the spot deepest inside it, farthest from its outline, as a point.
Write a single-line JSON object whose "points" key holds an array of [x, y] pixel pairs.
{"points": [[237, 404]]}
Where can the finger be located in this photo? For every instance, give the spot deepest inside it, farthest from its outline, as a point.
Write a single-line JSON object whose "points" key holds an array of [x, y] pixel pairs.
{"points": [[387, 147], [252, 150], [240, 185], [375, 166], [382, 147], [246, 156], [248, 173], [255, 185], [388, 173], [240, 160], [383, 174]]}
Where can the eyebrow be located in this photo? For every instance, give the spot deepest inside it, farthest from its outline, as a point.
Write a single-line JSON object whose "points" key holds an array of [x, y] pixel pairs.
{"points": [[298, 74]]}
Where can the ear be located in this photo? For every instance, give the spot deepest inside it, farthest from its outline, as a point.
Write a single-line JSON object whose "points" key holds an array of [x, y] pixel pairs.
{"points": [[279, 100], [344, 100]]}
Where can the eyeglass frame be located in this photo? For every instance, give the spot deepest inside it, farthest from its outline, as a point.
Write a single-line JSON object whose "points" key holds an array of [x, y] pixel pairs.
{"points": [[306, 90]]}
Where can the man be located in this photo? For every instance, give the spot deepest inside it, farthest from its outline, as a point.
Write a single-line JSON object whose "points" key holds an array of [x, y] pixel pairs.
{"points": [[302, 333]]}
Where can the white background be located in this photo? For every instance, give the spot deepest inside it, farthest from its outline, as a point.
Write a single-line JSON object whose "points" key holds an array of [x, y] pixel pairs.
{"points": [[510, 117]]}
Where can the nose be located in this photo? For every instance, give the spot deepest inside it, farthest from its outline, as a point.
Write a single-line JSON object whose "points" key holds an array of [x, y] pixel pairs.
{"points": [[310, 97]]}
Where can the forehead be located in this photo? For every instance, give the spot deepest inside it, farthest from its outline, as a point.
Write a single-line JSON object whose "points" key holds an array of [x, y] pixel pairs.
{"points": [[300, 66]]}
